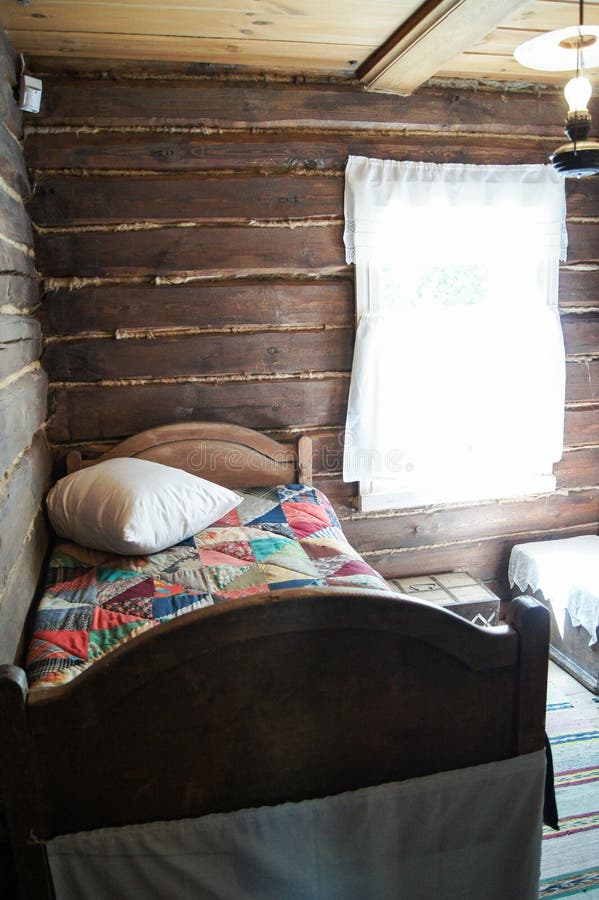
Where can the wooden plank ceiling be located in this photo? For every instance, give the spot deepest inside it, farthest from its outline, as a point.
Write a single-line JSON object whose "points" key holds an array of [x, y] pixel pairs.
{"points": [[344, 38]]}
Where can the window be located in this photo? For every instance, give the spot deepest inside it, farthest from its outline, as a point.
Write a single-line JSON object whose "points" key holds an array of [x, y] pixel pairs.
{"points": [[457, 389]]}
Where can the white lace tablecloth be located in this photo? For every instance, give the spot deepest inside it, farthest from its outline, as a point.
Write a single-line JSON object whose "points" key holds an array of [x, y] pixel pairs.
{"points": [[567, 572]]}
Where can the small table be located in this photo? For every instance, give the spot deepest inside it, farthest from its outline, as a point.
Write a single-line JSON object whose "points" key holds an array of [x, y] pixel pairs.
{"points": [[563, 574], [458, 591]]}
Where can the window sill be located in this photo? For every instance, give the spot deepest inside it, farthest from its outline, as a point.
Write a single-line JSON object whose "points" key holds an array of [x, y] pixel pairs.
{"points": [[373, 499]]}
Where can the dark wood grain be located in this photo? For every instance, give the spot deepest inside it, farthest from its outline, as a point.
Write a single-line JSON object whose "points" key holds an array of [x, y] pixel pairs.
{"points": [[103, 411], [582, 196], [581, 333], [198, 305], [275, 105], [481, 559], [228, 250], [395, 633], [582, 380], [583, 242], [579, 287], [174, 198], [269, 152], [578, 467], [527, 616], [409, 529], [253, 353], [160, 198], [581, 426]]}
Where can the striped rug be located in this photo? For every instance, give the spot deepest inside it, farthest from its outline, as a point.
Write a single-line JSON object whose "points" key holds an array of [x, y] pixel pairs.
{"points": [[570, 857]]}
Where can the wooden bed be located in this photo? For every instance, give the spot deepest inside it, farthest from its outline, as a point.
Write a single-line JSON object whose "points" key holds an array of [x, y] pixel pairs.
{"points": [[276, 698]]}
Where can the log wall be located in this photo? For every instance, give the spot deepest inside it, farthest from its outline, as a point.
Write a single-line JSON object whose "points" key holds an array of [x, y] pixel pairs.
{"points": [[24, 453], [189, 231]]}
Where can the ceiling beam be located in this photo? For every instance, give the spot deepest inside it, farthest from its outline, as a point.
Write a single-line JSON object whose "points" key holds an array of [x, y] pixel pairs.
{"points": [[436, 32]]}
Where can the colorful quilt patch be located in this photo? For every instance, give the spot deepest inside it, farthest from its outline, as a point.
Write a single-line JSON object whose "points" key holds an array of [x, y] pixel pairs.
{"points": [[277, 538]]}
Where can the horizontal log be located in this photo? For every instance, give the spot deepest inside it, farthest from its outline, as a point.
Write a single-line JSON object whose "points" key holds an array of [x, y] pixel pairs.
{"points": [[581, 333], [487, 560], [579, 287], [581, 426], [198, 305], [20, 590], [578, 468], [342, 495], [583, 242], [60, 199], [12, 164], [20, 343], [176, 198], [253, 353], [97, 412], [18, 291], [196, 152], [582, 196], [275, 105], [209, 354], [23, 405], [20, 499], [582, 381], [211, 250], [419, 529]]}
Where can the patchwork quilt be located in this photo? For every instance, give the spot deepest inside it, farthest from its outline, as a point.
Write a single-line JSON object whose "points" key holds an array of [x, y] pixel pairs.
{"points": [[280, 537]]}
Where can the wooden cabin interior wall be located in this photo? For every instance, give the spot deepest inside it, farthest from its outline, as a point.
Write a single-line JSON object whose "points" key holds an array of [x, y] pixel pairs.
{"points": [[189, 237], [24, 454]]}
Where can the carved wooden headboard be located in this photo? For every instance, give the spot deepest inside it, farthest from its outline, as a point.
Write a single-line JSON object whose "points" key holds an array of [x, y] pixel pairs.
{"points": [[226, 454]]}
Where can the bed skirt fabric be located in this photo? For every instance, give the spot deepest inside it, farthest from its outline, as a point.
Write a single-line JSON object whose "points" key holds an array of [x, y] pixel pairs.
{"points": [[458, 835]]}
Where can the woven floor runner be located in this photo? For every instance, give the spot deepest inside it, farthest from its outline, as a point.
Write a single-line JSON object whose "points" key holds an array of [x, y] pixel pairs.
{"points": [[570, 857]]}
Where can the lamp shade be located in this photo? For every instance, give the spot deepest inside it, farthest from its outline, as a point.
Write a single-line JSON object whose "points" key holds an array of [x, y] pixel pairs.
{"points": [[557, 51]]}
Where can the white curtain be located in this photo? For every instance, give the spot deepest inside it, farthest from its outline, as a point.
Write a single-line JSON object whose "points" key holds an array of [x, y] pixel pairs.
{"points": [[457, 389]]}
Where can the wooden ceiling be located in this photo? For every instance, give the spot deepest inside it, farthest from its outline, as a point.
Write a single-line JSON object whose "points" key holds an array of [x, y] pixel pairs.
{"points": [[392, 45]]}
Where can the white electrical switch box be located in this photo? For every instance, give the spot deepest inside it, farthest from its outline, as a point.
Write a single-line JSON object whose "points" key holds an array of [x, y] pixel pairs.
{"points": [[30, 96]]}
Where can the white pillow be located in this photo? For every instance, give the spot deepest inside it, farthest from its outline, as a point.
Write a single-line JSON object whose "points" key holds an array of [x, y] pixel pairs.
{"points": [[134, 506]]}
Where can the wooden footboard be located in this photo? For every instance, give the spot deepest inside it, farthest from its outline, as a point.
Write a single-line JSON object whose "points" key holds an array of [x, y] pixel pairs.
{"points": [[265, 700]]}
